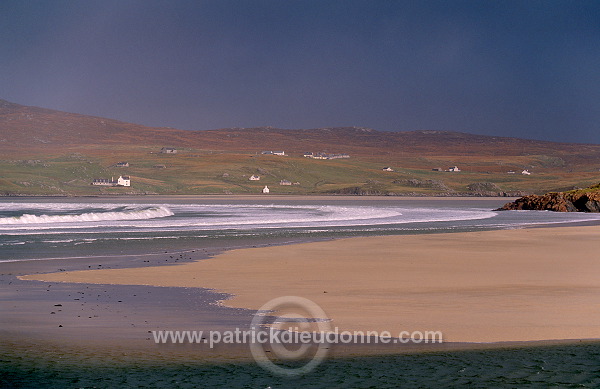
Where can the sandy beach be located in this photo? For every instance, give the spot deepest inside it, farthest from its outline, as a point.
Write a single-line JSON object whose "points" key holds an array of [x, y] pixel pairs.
{"points": [[492, 286]]}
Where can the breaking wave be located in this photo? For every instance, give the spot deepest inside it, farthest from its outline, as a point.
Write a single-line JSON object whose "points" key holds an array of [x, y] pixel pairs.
{"points": [[141, 214]]}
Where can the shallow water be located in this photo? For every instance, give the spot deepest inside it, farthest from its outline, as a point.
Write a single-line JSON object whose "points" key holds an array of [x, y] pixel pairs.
{"points": [[45, 228]]}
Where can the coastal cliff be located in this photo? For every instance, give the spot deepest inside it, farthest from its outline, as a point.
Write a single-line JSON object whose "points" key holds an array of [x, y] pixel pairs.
{"points": [[581, 200]]}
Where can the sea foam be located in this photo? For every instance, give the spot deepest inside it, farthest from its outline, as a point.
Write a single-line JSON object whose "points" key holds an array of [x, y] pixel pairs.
{"points": [[140, 214]]}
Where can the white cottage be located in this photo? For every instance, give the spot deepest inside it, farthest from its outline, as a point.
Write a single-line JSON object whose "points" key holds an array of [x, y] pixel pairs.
{"points": [[124, 181], [121, 181], [266, 189]]}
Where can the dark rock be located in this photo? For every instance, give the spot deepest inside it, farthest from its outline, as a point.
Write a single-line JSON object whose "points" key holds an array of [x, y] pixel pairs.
{"points": [[484, 187], [583, 200], [434, 184]]}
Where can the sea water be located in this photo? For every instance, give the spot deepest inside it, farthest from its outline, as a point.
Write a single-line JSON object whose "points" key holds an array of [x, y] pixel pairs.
{"points": [[41, 229], [67, 228]]}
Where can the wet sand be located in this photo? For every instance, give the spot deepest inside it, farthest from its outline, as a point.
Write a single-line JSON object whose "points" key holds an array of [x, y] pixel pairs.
{"points": [[104, 319], [493, 286]]}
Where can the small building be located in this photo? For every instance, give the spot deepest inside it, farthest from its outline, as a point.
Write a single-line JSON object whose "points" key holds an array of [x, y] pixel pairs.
{"points": [[103, 182], [121, 181], [285, 182], [266, 152], [322, 155], [124, 181], [266, 189], [254, 177], [122, 164], [526, 172], [168, 150], [453, 169], [159, 166], [510, 172], [278, 152], [388, 169]]}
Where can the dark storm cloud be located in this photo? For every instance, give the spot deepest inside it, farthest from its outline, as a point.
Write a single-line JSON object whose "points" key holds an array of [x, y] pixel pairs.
{"points": [[513, 68]]}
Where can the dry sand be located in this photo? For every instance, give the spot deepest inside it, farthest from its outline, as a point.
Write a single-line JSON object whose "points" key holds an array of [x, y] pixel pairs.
{"points": [[492, 286]]}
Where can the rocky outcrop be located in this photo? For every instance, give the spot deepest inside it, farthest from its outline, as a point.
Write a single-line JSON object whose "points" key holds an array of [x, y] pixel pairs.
{"points": [[434, 184], [582, 200], [484, 187]]}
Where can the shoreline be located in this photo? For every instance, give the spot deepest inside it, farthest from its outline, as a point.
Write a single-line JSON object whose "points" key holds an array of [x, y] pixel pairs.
{"points": [[292, 197], [548, 297]]}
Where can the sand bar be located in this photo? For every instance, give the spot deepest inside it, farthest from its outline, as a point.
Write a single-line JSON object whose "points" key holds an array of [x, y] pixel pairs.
{"points": [[492, 286]]}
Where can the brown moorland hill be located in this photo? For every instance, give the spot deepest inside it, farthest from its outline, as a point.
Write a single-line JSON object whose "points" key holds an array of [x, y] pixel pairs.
{"points": [[24, 127], [44, 151]]}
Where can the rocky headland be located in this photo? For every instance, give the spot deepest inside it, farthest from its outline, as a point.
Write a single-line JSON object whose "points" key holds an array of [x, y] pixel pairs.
{"points": [[580, 200]]}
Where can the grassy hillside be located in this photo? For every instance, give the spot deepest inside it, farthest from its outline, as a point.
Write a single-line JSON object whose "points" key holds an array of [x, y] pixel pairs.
{"points": [[194, 171], [45, 152]]}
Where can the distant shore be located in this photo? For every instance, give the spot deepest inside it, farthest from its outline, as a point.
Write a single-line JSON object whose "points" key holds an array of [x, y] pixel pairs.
{"points": [[281, 195], [291, 197], [495, 286]]}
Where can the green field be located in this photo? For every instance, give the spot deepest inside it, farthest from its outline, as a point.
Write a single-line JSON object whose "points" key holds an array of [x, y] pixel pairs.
{"points": [[196, 171]]}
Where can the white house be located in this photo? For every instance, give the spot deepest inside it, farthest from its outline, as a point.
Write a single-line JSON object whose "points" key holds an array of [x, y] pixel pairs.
{"points": [[124, 181], [526, 172], [168, 150], [121, 181], [254, 177], [388, 169], [454, 169], [122, 164], [285, 182], [278, 152], [103, 182], [266, 189]]}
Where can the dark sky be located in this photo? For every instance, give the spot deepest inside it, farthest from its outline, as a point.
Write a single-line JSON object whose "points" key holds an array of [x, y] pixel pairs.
{"points": [[515, 68]]}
